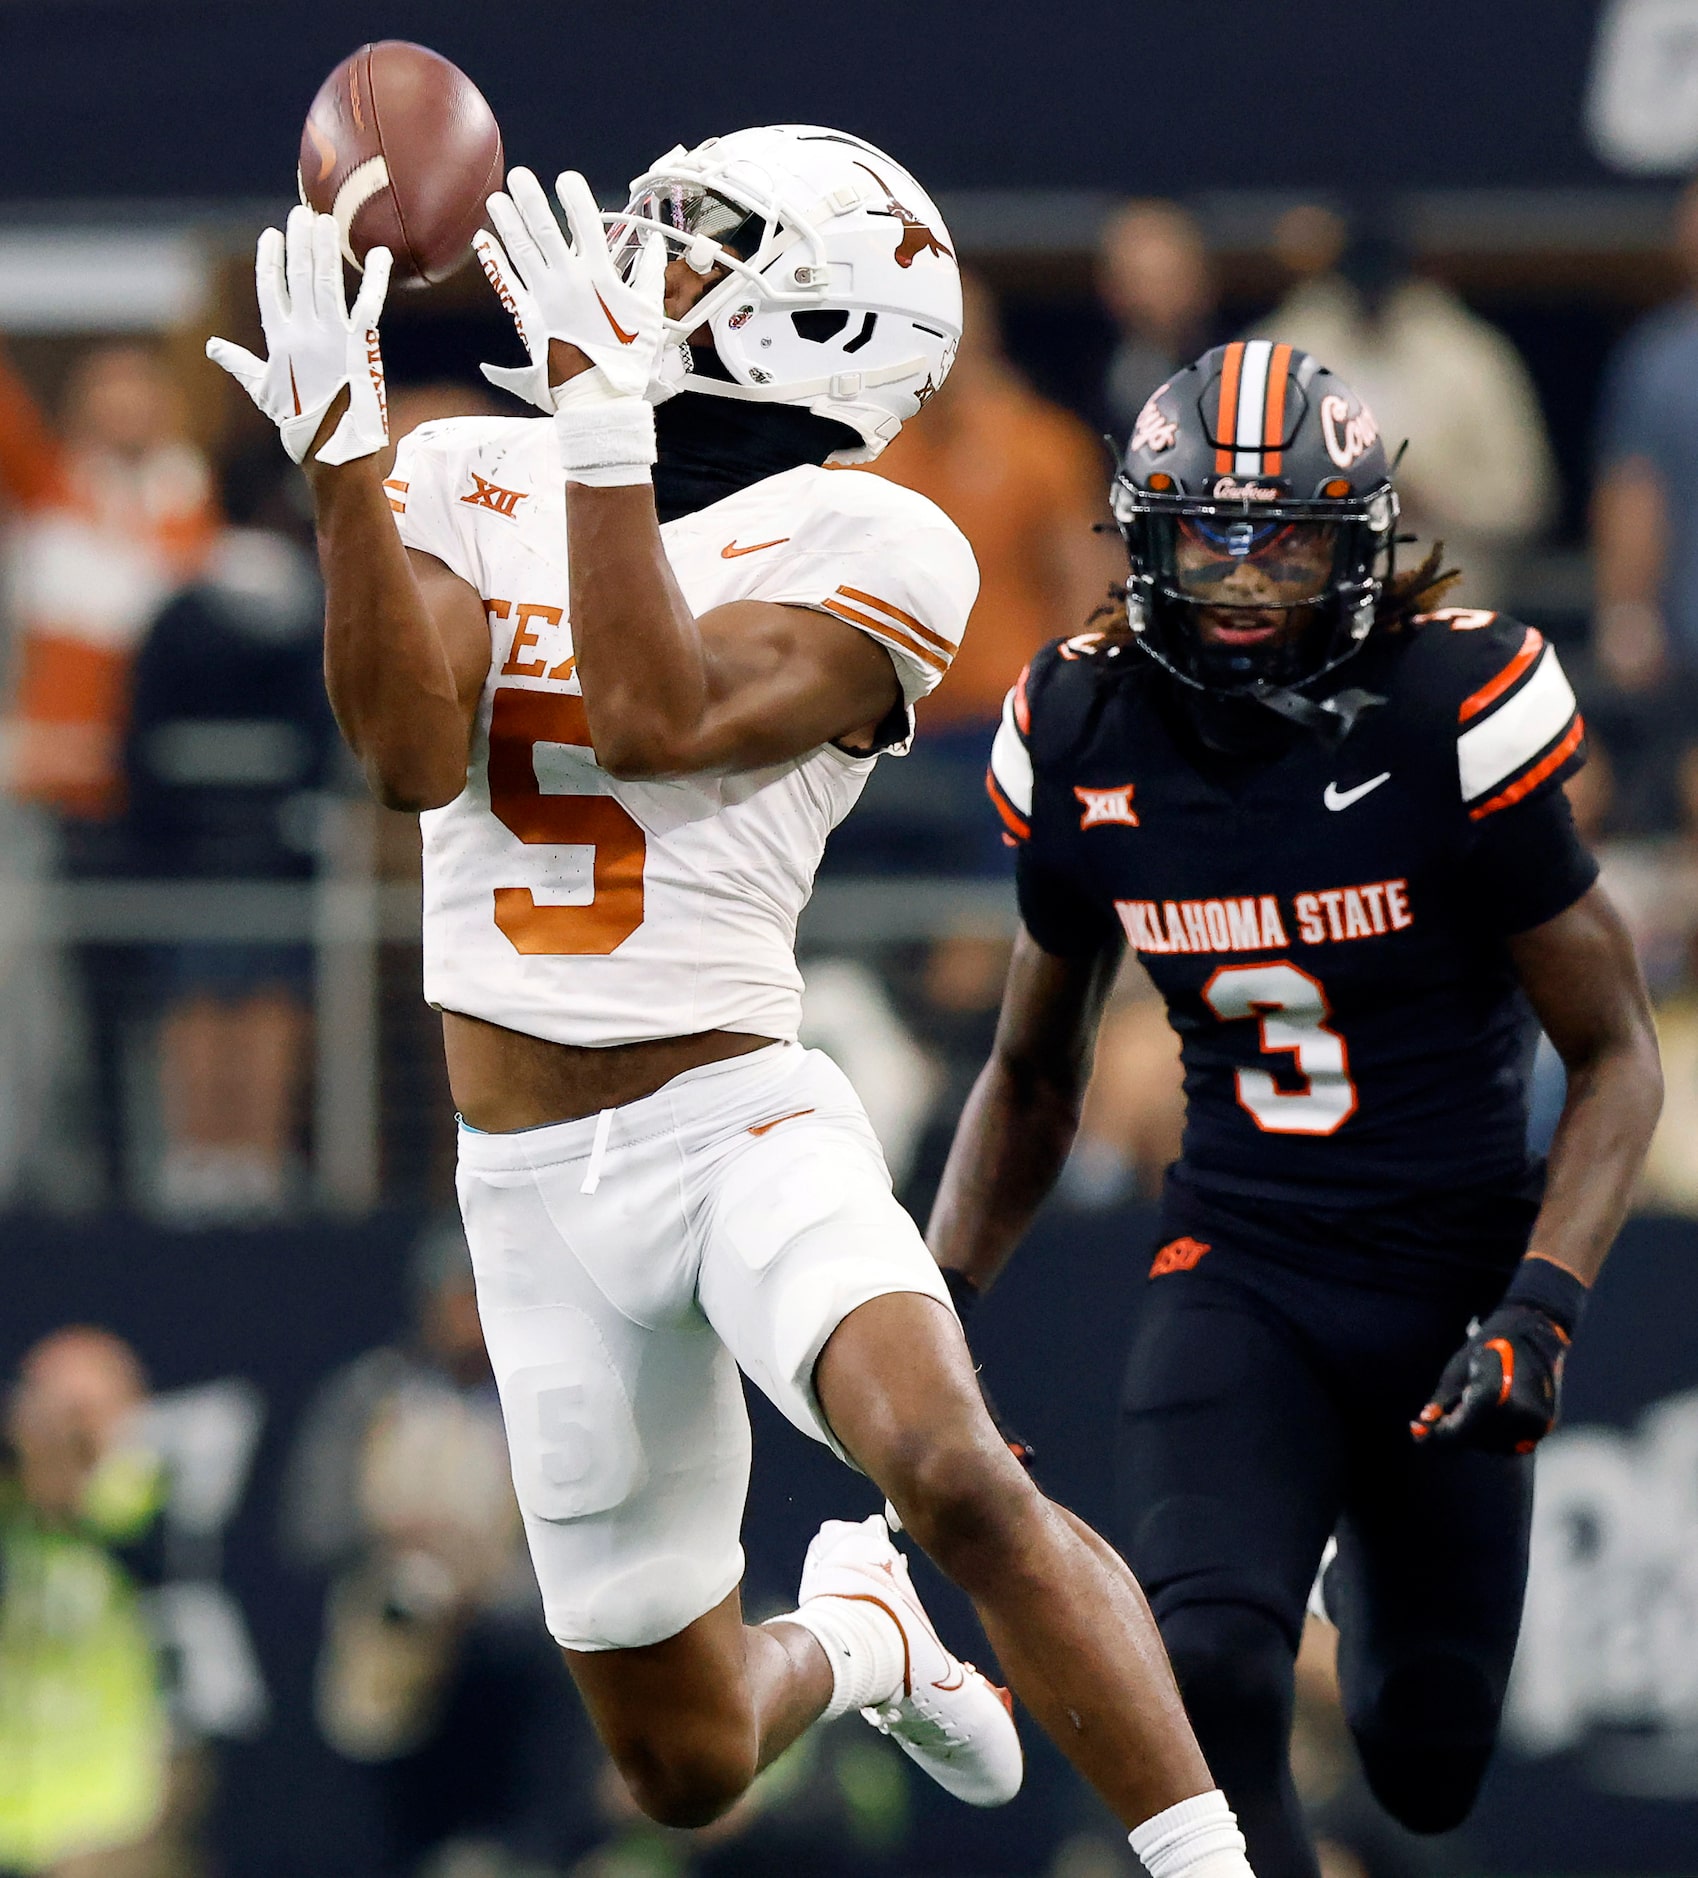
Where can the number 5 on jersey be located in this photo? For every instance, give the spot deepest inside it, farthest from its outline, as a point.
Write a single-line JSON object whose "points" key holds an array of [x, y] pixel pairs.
{"points": [[519, 721], [1291, 1008]]}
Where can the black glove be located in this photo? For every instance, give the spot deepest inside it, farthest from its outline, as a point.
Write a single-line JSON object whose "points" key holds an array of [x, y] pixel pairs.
{"points": [[966, 1295], [1502, 1391]]}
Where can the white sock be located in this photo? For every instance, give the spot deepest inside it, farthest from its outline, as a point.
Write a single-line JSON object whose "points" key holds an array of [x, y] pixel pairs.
{"points": [[1198, 1838], [865, 1647]]}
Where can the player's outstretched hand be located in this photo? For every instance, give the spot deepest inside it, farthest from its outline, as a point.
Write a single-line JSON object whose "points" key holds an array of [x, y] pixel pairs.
{"points": [[315, 346], [571, 291], [1502, 1391]]}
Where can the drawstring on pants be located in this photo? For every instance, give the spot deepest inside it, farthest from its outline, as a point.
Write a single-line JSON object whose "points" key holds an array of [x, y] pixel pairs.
{"points": [[598, 1151]]}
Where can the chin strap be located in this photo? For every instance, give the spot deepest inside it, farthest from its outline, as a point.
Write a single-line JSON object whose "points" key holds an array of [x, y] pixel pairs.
{"points": [[844, 385], [1332, 718]]}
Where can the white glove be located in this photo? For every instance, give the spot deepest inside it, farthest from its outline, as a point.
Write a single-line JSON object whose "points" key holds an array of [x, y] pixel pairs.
{"points": [[530, 382], [573, 292], [315, 346]]}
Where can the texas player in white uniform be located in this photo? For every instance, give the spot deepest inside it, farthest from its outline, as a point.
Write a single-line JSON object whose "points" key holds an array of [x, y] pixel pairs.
{"points": [[631, 690]]}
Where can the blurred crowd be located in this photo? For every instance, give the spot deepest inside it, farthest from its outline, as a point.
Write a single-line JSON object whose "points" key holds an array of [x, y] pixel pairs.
{"points": [[162, 720], [446, 1741], [1025, 479], [163, 724], [95, 1779]]}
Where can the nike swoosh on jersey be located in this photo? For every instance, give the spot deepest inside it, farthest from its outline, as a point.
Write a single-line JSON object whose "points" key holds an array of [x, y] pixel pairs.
{"points": [[619, 332], [762, 1128], [1336, 798], [731, 550]]}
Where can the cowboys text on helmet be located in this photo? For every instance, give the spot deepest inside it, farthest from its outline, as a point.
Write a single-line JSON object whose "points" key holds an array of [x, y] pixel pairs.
{"points": [[1255, 486]]}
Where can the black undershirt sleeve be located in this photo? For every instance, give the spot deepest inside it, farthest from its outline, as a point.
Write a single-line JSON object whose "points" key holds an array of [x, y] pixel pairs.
{"points": [[1057, 915], [1528, 864]]}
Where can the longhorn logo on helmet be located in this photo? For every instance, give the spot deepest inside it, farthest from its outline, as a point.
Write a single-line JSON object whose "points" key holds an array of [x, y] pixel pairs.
{"points": [[917, 238]]}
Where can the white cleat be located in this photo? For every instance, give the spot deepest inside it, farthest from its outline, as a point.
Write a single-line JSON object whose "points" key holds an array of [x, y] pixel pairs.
{"points": [[944, 1715]]}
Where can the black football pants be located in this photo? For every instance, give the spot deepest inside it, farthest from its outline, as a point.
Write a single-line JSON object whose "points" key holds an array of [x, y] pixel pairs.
{"points": [[1264, 1409]]}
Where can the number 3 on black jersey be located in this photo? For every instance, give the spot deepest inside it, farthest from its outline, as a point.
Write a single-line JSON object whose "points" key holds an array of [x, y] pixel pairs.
{"points": [[1291, 1008]]}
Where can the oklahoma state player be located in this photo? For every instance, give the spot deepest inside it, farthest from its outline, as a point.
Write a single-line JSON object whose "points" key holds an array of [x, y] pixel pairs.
{"points": [[632, 661], [1331, 824]]}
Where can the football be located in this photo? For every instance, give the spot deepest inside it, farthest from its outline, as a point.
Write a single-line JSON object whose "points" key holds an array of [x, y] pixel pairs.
{"points": [[401, 147]]}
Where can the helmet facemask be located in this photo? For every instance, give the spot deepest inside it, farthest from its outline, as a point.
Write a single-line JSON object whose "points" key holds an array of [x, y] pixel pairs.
{"points": [[1302, 578], [715, 233], [1260, 520]]}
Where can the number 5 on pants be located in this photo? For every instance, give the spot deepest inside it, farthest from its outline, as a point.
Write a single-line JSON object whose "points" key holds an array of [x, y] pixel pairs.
{"points": [[1291, 1008]]}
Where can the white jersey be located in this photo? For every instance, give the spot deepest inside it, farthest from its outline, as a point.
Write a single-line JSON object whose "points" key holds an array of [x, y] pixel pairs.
{"points": [[565, 903]]}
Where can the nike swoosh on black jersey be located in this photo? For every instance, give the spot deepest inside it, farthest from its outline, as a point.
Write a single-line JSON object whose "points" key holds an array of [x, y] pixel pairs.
{"points": [[1336, 798]]}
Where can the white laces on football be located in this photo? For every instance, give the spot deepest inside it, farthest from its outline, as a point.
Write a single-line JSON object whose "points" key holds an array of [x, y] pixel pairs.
{"points": [[315, 345]]}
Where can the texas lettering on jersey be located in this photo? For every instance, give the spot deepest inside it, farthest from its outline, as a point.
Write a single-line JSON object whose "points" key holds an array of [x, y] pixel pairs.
{"points": [[566, 903]]}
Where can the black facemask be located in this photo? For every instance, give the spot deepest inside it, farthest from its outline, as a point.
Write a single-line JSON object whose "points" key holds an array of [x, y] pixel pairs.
{"points": [[709, 447]]}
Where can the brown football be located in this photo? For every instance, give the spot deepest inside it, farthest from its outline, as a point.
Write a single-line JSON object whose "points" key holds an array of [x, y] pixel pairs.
{"points": [[402, 149]]}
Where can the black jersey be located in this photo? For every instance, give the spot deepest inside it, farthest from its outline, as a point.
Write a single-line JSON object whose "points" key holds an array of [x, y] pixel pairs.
{"points": [[1327, 926]]}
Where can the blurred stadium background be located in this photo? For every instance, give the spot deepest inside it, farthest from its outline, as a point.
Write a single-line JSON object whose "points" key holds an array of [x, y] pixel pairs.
{"points": [[289, 1629]]}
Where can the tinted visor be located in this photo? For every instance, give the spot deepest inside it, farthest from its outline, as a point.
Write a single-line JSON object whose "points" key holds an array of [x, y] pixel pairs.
{"points": [[691, 212], [1253, 561]]}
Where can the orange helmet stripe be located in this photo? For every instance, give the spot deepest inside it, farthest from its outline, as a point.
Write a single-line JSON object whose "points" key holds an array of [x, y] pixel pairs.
{"points": [[1226, 417], [1273, 411]]}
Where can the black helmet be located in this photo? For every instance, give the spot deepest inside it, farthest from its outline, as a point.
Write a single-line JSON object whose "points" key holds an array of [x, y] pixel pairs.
{"points": [[1255, 480]]}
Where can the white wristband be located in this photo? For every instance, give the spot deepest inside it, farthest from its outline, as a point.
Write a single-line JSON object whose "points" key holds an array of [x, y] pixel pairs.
{"points": [[606, 437]]}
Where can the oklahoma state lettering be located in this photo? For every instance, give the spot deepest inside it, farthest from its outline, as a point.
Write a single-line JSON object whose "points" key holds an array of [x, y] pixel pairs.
{"points": [[1353, 912], [1248, 925], [1254, 923]]}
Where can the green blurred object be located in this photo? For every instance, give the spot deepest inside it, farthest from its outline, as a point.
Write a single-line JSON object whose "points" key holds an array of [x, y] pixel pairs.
{"points": [[873, 1780], [84, 1734]]}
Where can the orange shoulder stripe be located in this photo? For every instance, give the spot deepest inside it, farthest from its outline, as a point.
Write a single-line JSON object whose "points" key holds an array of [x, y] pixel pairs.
{"points": [[871, 599], [1527, 783], [1489, 693], [1013, 820], [891, 635]]}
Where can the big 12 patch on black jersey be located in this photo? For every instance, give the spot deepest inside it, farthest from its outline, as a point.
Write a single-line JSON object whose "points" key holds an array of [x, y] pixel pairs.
{"points": [[1328, 928]]}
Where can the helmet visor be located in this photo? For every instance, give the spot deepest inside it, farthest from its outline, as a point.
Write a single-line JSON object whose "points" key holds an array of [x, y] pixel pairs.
{"points": [[690, 212], [1253, 561]]}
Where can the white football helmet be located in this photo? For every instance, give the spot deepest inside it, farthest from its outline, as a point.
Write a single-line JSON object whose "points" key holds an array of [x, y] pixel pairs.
{"points": [[842, 293]]}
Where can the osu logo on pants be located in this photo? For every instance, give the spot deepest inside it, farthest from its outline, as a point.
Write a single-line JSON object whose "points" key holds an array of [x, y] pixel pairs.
{"points": [[1178, 1255]]}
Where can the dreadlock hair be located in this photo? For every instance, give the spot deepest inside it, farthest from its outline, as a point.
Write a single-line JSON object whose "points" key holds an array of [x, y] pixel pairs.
{"points": [[1108, 616], [1416, 591]]}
